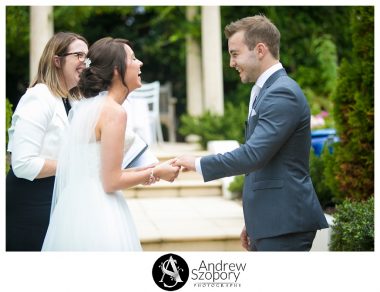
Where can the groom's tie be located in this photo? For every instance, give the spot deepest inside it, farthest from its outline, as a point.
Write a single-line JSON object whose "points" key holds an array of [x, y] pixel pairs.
{"points": [[254, 93]]}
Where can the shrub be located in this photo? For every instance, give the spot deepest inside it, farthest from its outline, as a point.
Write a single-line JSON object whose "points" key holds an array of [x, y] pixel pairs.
{"points": [[318, 176], [9, 113], [210, 126], [352, 174], [236, 186], [8, 120], [353, 228]]}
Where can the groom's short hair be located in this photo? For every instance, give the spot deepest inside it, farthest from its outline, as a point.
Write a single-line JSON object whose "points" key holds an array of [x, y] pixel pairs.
{"points": [[257, 29]]}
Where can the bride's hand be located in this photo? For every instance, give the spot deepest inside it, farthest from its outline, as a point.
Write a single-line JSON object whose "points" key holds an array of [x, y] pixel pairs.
{"points": [[166, 170]]}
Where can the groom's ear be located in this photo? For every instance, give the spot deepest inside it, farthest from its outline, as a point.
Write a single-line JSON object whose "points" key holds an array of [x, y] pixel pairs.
{"points": [[261, 50]]}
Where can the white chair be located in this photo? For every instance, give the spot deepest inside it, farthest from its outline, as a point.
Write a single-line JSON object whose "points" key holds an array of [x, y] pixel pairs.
{"points": [[150, 92]]}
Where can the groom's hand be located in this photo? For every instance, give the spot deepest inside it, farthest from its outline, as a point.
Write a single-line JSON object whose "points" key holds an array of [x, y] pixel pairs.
{"points": [[187, 162]]}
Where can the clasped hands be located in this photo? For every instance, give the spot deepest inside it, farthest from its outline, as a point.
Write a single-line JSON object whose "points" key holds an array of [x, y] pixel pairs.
{"points": [[169, 169]]}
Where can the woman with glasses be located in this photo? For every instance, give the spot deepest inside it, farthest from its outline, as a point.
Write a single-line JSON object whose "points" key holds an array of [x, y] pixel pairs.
{"points": [[35, 137], [89, 211]]}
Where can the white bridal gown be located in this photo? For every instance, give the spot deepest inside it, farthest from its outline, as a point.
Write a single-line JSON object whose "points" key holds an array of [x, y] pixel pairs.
{"points": [[83, 216]]}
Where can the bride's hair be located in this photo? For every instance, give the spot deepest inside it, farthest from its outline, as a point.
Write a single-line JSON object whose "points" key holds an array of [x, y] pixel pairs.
{"points": [[104, 56]]}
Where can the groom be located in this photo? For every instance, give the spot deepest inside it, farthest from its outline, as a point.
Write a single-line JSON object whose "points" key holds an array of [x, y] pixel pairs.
{"points": [[281, 209]]}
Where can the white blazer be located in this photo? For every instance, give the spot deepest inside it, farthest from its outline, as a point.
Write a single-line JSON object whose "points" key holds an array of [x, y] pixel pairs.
{"points": [[38, 124]]}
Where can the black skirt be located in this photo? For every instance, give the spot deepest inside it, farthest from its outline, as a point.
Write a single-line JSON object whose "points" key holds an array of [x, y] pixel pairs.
{"points": [[27, 212]]}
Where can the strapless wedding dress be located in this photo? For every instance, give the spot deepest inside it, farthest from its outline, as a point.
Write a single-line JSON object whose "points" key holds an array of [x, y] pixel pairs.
{"points": [[84, 217]]}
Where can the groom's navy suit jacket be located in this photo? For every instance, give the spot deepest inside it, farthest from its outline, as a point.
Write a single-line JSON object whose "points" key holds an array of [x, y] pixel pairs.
{"points": [[278, 194]]}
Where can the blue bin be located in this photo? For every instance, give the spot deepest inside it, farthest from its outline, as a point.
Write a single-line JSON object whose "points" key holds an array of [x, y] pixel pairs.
{"points": [[319, 138]]}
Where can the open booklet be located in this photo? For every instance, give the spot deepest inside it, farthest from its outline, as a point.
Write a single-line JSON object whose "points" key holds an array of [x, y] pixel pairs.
{"points": [[138, 154]]}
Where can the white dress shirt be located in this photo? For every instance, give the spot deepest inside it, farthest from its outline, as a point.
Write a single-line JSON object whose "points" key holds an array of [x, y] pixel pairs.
{"points": [[38, 124], [254, 93]]}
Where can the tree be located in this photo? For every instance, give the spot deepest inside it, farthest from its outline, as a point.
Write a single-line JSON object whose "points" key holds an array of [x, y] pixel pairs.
{"points": [[352, 173], [17, 52], [159, 32], [313, 41]]}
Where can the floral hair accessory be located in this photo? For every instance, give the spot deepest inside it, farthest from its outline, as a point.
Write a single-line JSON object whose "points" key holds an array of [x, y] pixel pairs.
{"points": [[87, 62]]}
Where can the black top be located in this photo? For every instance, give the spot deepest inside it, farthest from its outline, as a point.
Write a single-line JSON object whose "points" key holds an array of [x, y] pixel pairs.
{"points": [[67, 104]]}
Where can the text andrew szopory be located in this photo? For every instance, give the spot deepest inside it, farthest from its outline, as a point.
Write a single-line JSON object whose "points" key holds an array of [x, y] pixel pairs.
{"points": [[216, 272]]}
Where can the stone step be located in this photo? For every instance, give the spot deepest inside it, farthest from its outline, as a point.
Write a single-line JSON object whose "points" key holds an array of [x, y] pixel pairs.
{"points": [[189, 175], [194, 245], [188, 214], [188, 223], [164, 156], [178, 188], [197, 224], [166, 151]]}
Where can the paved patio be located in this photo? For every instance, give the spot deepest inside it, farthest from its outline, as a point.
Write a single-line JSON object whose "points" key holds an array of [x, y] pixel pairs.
{"points": [[196, 224], [188, 223]]}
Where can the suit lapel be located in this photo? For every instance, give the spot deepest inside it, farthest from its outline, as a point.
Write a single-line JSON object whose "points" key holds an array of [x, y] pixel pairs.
{"points": [[252, 121], [268, 84]]}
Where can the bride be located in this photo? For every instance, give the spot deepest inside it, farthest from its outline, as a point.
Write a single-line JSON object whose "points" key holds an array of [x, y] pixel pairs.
{"points": [[89, 211]]}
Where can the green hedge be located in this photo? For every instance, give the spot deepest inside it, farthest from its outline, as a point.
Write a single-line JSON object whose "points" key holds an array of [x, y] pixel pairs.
{"points": [[8, 120], [211, 127], [319, 177], [353, 228], [352, 173], [236, 186]]}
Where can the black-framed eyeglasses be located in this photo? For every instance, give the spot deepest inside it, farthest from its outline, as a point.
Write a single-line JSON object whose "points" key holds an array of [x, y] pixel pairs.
{"points": [[80, 55]]}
